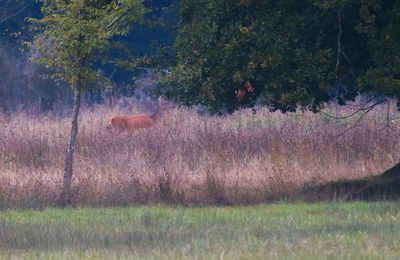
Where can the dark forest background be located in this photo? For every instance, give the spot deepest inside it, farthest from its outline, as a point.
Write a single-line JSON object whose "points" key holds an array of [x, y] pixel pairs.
{"points": [[290, 55], [22, 88]]}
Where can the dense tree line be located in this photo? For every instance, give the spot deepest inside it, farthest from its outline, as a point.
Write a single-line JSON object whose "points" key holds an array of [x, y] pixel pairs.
{"points": [[294, 53]]}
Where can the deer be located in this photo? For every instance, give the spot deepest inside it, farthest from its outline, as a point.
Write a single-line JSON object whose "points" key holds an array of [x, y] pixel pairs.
{"points": [[134, 122]]}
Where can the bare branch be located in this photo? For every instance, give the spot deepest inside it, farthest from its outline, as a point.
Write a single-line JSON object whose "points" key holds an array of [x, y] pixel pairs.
{"points": [[357, 122], [361, 104], [388, 119], [368, 108], [340, 51], [345, 56], [339, 44], [8, 17]]}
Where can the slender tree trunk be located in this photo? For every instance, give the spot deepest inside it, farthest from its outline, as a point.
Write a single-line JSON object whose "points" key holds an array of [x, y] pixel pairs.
{"points": [[65, 197]]}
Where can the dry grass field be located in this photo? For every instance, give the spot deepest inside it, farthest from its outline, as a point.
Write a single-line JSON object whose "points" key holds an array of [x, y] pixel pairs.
{"points": [[188, 159]]}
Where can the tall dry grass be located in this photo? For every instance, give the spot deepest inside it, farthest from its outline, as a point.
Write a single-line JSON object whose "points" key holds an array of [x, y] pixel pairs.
{"points": [[190, 159]]}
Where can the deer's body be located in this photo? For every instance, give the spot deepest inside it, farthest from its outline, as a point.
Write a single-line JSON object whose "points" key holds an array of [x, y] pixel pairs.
{"points": [[132, 122]]}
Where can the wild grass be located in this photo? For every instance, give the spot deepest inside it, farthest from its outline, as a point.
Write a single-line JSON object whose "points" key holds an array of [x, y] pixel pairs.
{"points": [[356, 230], [188, 159]]}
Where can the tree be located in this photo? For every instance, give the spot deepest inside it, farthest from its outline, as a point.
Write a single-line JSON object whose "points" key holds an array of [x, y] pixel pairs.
{"points": [[294, 53], [74, 38]]}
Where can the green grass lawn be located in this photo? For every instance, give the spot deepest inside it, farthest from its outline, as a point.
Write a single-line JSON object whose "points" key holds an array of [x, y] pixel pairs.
{"points": [[307, 231]]}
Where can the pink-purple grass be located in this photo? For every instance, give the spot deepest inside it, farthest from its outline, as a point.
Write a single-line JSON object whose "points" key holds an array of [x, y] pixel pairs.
{"points": [[190, 159]]}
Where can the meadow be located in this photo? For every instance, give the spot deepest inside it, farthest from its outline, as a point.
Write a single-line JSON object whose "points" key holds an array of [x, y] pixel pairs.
{"points": [[356, 230], [192, 160]]}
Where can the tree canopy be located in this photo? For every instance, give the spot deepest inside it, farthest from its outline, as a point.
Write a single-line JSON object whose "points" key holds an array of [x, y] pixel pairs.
{"points": [[75, 35], [294, 53]]}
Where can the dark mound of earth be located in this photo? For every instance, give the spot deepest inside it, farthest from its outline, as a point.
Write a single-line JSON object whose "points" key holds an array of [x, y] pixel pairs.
{"points": [[385, 186]]}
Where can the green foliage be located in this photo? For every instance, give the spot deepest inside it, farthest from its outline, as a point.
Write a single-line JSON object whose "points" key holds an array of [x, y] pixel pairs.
{"points": [[381, 23], [294, 53], [75, 35]]}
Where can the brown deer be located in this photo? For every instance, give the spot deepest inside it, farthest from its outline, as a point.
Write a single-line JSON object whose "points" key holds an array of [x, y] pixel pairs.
{"points": [[133, 122]]}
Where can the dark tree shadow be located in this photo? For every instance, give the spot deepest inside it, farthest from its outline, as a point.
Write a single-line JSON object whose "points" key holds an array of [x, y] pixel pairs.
{"points": [[385, 186]]}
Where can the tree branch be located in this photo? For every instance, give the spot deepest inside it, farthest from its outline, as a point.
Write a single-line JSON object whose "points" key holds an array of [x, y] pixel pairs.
{"points": [[339, 44], [368, 108], [364, 111], [357, 122], [388, 119], [7, 17], [117, 19]]}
